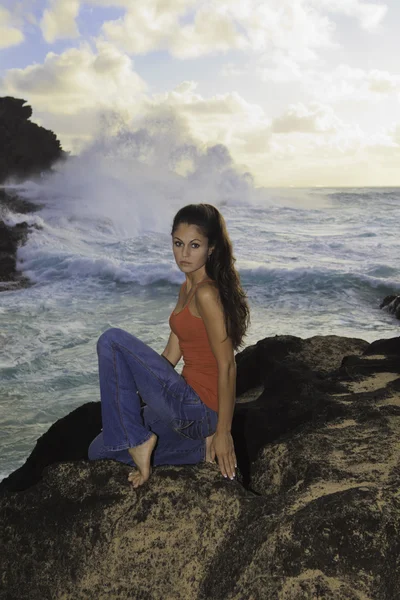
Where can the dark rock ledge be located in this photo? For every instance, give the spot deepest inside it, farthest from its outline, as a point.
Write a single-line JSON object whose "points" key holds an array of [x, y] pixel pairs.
{"points": [[392, 305], [11, 238], [26, 150], [315, 513]]}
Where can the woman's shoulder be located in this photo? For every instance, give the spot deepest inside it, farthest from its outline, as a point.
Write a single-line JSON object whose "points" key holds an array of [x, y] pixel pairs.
{"points": [[207, 290]]}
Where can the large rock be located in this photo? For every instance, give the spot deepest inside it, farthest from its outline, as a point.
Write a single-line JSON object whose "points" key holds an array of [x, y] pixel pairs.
{"points": [[318, 516], [25, 147], [11, 238], [392, 305]]}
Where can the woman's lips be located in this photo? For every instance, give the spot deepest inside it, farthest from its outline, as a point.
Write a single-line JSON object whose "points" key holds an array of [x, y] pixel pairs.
{"points": [[183, 262]]}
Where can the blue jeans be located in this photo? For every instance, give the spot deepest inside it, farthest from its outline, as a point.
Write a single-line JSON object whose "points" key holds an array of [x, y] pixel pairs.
{"points": [[173, 410]]}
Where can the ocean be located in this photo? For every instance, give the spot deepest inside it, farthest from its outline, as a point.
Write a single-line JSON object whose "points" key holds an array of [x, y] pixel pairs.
{"points": [[312, 261]]}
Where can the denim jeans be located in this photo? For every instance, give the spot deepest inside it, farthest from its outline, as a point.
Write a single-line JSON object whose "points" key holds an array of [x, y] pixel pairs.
{"points": [[173, 410]]}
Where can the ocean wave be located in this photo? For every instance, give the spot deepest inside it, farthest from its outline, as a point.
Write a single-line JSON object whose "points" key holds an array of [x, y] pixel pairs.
{"points": [[267, 280], [307, 280]]}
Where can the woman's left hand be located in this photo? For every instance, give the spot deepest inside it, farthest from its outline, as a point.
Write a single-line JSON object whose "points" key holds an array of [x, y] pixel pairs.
{"points": [[222, 447]]}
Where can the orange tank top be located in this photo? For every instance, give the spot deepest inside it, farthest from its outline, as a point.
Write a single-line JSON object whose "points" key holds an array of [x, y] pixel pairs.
{"points": [[200, 369]]}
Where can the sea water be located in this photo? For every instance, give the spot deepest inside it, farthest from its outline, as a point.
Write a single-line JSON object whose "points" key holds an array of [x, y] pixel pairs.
{"points": [[312, 261]]}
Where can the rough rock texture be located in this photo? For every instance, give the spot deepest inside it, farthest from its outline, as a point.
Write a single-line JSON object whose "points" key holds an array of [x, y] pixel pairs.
{"points": [[317, 518], [11, 237], [392, 305], [25, 147]]}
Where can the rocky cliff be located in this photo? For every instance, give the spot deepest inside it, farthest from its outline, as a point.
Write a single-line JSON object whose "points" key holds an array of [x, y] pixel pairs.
{"points": [[315, 513], [25, 147], [11, 238]]}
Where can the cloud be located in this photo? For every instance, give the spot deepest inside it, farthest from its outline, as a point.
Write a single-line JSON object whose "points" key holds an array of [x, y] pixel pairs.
{"points": [[146, 26], [352, 84], [370, 15], [78, 79], [314, 118], [156, 25], [344, 82], [213, 31], [383, 82], [10, 35], [193, 28], [222, 118], [219, 27], [295, 28], [59, 20]]}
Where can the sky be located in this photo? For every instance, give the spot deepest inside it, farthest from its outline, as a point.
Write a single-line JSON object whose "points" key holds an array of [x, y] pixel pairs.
{"points": [[301, 92]]}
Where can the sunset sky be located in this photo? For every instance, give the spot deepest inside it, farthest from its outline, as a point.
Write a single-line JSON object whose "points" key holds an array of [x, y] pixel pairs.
{"points": [[302, 92]]}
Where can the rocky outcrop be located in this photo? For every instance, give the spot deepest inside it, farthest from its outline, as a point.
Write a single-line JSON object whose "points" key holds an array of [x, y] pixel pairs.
{"points": [[25, 147], [315, 513], [11, 237], [392, 305]]}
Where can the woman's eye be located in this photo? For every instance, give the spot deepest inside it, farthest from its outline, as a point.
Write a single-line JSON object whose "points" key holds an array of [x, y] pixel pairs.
{"points": [[194, 244]]}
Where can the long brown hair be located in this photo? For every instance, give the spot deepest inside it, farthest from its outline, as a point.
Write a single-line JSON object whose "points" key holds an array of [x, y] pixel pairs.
{"points": [[220, 266]]}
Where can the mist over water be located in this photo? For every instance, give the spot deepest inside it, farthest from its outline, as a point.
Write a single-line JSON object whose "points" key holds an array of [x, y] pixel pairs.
{"points": [[313, 262]]}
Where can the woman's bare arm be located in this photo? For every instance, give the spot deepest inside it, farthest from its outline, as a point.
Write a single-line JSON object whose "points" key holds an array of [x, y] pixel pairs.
{"points": [[211, 310]]}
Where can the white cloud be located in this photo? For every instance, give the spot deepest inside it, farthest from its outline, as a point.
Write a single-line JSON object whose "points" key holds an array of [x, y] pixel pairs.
{"points": [[156, 25], [352, 84], [343, 82], [314, 118], [78, 79], [10, 35], [383, 82], [220, 26], [280, 68], [59, 20], [296, 28], [223, 118], [213, 30], [146, 26], [71, 91], [370, 15]]}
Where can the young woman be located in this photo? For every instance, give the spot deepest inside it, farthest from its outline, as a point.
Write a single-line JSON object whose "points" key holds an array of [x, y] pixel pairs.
{"points": [[185, 418]]}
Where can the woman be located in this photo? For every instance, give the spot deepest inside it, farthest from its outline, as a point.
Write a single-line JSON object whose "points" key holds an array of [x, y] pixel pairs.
{"points": [[186, 418]]}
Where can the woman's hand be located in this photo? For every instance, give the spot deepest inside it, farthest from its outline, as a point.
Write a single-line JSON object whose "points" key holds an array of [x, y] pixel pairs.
{"points": [[222, 447]]}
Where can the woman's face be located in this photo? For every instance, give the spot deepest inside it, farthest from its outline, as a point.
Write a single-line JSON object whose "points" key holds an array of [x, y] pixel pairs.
{"points": [[191, 246]]}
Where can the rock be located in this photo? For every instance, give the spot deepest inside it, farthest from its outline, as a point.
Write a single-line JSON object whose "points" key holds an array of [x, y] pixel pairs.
{"points": [[318, 517], [392, 305], [11, 237], [67, 439], [25, 147], [389, 347]]}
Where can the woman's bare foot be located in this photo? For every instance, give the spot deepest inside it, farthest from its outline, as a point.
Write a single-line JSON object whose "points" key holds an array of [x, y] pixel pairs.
{"points": [[142, 455], [208, 446]]}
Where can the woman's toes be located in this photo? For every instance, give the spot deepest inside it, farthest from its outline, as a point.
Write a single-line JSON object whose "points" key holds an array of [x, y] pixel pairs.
{"points": [[137, 481]]}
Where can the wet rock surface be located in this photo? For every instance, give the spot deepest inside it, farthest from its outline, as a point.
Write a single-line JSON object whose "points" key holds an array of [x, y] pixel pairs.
{"points": [[26, 149], [315, 513], [392, 305], [11, 238]]}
